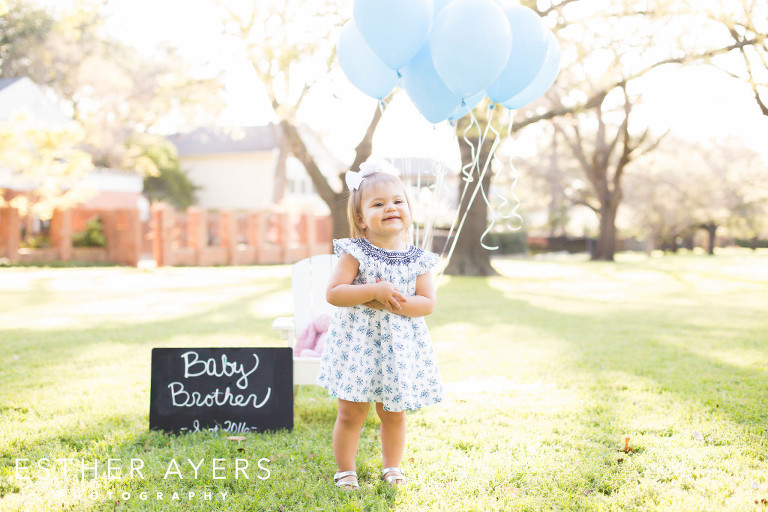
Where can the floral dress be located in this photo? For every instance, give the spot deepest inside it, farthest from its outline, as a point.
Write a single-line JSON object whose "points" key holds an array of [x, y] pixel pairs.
{"points": [[372, 355]]}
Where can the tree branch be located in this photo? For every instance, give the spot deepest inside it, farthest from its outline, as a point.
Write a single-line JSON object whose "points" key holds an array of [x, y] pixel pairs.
{"points": [[556, 7], [299, 150], [596, 97], [365, 146]]}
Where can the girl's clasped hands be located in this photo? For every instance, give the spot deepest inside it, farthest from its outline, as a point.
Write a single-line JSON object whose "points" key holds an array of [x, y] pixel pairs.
{"points": [[386, 296]]}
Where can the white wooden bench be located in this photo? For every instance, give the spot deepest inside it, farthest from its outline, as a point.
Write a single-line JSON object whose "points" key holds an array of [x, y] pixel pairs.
{"points": [[309, 280]]}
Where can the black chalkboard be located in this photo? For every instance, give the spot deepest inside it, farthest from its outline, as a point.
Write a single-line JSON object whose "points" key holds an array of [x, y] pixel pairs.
{"points": [[235, 389]]}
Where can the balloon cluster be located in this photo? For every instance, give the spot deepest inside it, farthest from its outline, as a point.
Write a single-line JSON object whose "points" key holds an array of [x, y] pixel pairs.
{"points": [[448, 54]]}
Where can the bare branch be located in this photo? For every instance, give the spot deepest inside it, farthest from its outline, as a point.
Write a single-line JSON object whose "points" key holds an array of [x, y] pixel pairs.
{"points": [[554, 7]]}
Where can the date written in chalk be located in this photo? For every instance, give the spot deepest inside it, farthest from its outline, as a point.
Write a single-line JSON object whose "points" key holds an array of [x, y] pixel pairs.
{"points": [[234, 427]]}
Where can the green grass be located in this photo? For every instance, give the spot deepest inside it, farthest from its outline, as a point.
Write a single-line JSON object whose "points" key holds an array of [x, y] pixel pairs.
{"points": [[549, 368]]}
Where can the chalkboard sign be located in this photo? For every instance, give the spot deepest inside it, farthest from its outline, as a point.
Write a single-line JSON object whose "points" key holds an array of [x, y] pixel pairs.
{"points": [[235, 389]]}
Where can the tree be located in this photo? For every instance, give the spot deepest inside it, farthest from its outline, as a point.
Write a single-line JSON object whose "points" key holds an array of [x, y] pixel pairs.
{"points": [[22, 27], [289, 61], [604, 162], [110, 89], [745, 21], [550, 180], [469, 257], [613, 49], [47, 161], [685, 186], [170, 183]]}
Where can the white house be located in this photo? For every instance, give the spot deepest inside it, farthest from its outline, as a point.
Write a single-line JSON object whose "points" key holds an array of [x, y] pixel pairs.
{"points": [[236, 168]]}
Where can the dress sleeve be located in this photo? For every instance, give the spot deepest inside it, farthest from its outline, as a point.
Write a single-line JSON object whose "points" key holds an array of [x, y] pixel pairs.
{"points": [[351, 247], [426, 261]]}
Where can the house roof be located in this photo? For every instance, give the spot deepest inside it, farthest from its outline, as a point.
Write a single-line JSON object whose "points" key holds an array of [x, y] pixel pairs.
{"points": [[5, 82], [206, 141], [21, 95]]}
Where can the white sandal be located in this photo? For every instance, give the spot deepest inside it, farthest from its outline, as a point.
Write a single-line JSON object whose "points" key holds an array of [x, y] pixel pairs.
{"points": [[397, 479], [352, 483]]}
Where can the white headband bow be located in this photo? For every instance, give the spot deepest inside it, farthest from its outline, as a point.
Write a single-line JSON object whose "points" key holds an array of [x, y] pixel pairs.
{"points": [[354, 179]]}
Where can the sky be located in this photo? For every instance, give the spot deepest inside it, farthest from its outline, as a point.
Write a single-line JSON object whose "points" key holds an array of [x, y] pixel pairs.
{"points": [[696, 102]]}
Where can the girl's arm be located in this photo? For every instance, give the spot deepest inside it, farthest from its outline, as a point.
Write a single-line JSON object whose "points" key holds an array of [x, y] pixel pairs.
{"points": [[342, 293], [422, 303]]}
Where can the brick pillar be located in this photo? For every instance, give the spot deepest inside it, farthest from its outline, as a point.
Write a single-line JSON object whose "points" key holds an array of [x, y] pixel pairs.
{"points": [[162, 223], [304, 231], [281, 237], [197, 231], [61, 233], [128, 231], [324, 236], [254, 233], [109, 225], [10, 233], [312, 235], [228, 233]]}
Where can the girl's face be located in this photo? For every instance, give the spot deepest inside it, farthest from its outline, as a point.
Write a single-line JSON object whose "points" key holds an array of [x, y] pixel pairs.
{"points": [[384, 211]]}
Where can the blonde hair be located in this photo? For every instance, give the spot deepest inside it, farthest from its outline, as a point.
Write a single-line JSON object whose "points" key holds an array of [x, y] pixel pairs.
{"points": [[354, 203]]}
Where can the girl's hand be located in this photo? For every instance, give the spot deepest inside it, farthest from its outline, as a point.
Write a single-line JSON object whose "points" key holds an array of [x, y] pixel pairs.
{"points": [[389, 296], [374, 304]]}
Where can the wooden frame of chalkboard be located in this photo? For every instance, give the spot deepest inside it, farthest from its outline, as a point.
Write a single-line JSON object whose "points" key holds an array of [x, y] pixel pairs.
{"points": [[236, 389]]}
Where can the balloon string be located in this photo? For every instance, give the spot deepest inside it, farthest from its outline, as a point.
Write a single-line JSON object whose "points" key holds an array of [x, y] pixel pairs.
{"points": [[515, 179], [477, 187], [489, 117], [467, 180], [436, 202]]}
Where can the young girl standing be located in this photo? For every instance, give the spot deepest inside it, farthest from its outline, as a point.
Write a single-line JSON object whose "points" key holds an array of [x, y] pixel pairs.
{"points": [[378, 347]]}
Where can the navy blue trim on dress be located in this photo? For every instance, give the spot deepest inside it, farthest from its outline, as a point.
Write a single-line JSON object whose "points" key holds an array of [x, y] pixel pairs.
{"points": [[390, 257]]}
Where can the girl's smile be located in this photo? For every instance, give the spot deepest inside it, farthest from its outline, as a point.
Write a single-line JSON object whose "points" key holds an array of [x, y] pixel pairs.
{"points": [[385, 214]]}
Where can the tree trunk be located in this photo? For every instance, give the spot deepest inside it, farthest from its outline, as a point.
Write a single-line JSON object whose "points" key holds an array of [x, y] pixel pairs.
{"points": [[605, 248], [281, 180], [469, 257], [336, 201], [711, 228], [339, 219]]}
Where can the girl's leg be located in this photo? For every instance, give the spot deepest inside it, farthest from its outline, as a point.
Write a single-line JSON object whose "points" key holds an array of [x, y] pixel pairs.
{"points": [[392, 436], [346, 434]]}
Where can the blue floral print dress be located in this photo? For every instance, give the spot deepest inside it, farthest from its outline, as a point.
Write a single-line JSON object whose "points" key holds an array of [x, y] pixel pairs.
{"points": [[372, 355]]}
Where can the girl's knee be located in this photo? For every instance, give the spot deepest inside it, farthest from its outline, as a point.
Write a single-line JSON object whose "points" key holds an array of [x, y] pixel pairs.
{"points": [[352, 412], [390, 416]]}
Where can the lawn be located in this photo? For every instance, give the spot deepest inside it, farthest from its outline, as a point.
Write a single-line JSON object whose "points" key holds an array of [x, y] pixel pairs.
{"points": [[549, 367]]}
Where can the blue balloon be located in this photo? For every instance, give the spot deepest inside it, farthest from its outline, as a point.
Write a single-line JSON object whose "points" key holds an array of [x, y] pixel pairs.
{"points": [[529, 50], [543, 80], [469, 104], [394, 29], [360, 64], [430, 95], [438, 6], [470, 44]]}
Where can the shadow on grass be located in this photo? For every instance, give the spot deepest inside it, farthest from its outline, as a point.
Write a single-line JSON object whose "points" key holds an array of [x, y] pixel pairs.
{"points": [[658, 344], [301, 462]]}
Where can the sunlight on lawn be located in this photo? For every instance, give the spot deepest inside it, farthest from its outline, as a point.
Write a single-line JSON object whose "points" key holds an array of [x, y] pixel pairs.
{"points": [[548, 369], [79, 298]]}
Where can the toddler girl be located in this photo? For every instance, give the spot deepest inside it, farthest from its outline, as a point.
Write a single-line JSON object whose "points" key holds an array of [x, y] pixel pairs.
{"points": [[378, 347]]}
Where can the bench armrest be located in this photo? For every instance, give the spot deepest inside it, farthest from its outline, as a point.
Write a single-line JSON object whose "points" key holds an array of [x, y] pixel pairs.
{"points": [[285, 327]]}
